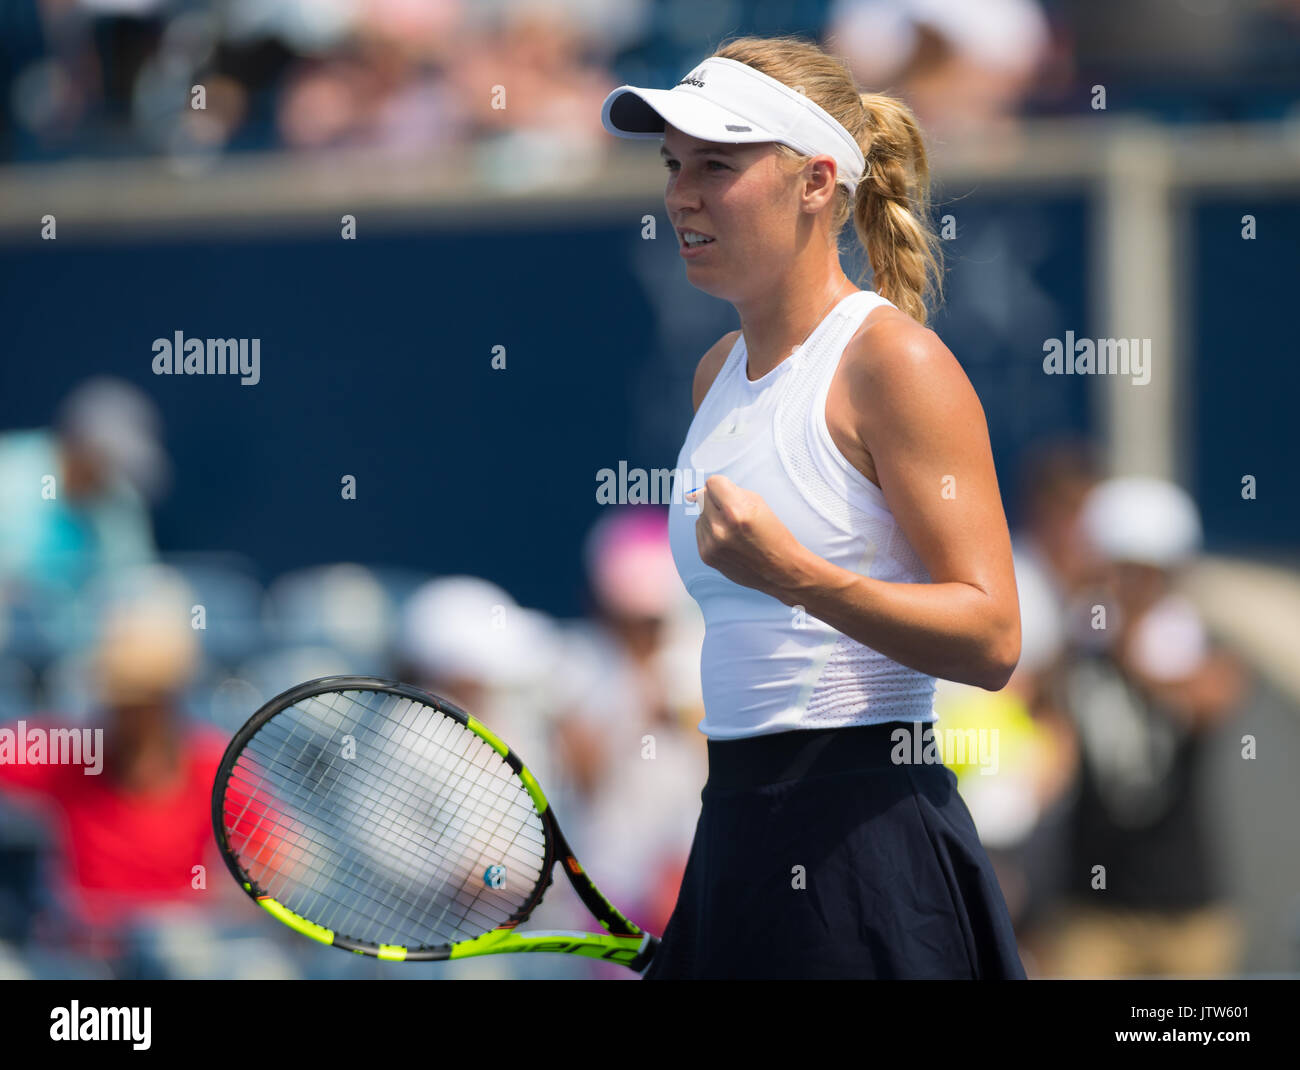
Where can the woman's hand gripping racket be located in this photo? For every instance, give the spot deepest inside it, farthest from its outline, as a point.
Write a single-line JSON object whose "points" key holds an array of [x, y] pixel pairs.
{"points": [[386, 821]]}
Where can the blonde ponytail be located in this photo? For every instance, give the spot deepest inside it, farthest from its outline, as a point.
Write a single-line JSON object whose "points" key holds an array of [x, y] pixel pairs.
{"points": [[891, 210]]}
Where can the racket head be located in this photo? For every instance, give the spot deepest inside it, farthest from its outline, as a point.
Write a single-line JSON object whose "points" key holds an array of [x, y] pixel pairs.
{"points": [[381, 819]]}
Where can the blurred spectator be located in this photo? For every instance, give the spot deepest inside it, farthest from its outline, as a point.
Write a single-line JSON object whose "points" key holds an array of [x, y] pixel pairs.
{"points": [[413, 77], [1143, 702], [632, 701], [469, 641], [383, 86], [125, 34], [1021, 813], [964, 65], [1056, 573], [1015, 787], [341, 606], [1053, 561], [73, 499], [130, 827], [532, 82]]}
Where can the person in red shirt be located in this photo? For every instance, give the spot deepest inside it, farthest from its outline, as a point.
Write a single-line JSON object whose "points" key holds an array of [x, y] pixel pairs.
{"points": [[127, 838]]}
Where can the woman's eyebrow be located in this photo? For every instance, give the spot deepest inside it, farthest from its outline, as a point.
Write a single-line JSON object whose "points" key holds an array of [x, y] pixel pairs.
{"points": [[718, 150]]}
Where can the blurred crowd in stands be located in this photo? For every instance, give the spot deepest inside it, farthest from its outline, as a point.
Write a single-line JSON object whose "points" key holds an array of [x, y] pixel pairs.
{"points": [[521, 81], [168, 654], [1098, 738]]}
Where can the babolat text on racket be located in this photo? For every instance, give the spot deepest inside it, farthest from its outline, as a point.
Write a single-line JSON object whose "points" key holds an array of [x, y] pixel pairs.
{"points": [[380, 819]]}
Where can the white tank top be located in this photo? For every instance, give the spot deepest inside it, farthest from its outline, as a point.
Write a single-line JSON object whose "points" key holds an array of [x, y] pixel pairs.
{"points": [[767, 667]]}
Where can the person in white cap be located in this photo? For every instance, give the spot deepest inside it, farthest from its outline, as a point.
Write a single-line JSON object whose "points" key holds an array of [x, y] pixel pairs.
{"points": [[964, 67], [627, 693], [845, 538], [1143, 699], [467, 640]]}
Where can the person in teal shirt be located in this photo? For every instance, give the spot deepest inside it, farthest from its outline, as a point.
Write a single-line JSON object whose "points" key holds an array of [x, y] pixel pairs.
{"points": [[74, 498]]}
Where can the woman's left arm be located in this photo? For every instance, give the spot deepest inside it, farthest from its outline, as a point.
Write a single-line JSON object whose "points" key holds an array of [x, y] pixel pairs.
{"points": [[922, 421]]}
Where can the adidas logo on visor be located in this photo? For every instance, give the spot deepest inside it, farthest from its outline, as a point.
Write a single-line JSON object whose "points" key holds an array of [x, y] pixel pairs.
{"points": [[695, 78]]}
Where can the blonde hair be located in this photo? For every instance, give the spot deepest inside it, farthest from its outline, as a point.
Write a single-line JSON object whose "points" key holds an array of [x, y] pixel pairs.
{"points": [[891, 207]]}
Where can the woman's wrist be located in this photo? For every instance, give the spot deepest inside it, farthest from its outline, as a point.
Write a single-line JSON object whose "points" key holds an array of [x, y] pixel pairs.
{"points": [[807, 577]]}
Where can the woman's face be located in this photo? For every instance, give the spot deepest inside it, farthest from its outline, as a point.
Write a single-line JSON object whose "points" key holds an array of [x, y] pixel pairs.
{"points": [[743, 197]]}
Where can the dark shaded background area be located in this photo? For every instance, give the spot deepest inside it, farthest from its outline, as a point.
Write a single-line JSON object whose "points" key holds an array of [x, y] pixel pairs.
{"points": [[1245, 381], [376, 362]]}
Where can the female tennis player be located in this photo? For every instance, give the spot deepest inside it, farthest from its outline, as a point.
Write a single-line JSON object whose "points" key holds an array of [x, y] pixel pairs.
{"points": [[847, 545]]}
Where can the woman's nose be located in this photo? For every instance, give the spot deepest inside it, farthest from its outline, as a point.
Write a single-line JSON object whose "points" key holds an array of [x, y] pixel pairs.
{"points": [[681, 195]]}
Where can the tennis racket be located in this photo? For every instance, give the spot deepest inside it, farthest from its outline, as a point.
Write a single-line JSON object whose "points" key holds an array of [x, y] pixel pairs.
{"points": [[377, 818]]}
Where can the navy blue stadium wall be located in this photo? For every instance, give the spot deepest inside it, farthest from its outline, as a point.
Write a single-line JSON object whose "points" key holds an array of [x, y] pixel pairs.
{"points": [[1243, 294], [376, 362]]}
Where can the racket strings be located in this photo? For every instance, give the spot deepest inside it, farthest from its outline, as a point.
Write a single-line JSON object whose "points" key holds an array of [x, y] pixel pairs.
{"points": [[379, 815], [384, 820], [394, 892]]}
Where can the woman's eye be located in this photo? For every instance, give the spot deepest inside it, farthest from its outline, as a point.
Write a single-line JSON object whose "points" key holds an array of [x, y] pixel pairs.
{"points": [[671, 164]]}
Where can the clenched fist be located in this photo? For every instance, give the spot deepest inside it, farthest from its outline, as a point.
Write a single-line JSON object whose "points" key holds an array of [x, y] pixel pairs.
{"points": [[739, 535]]}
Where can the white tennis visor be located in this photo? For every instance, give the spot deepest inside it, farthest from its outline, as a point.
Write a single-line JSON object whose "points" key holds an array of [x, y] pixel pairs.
{"points": [[727, 101]]}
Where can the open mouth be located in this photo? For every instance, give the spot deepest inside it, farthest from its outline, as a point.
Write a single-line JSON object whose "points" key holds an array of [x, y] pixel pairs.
{"points": [[692, 239]]}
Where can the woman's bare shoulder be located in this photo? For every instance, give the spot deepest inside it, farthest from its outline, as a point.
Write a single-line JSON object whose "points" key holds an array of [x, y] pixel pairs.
{"points": [[895, 366], [892, 349], [887, 336]]}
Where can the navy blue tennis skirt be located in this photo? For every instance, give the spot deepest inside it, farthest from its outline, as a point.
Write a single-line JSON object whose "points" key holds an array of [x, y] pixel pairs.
{"points": [[817, 856]]}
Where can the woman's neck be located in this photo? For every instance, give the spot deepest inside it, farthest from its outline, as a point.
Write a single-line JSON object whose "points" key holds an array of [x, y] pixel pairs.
{"points": [[776, 324]]}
